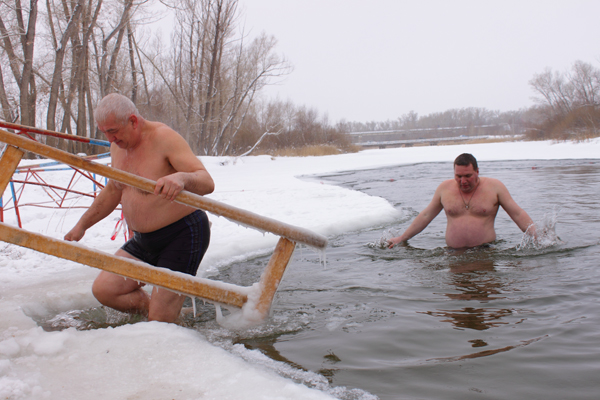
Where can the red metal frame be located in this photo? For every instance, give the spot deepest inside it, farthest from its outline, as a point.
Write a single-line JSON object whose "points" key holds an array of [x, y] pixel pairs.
{"points": [[57, 194]]}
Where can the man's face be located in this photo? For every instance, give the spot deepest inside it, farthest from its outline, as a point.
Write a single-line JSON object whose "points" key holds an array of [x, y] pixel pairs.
{"points": [[466, 177], [118, 133]]}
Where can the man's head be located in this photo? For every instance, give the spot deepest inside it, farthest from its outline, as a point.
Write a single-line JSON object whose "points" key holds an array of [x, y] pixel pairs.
{"points": [[466, 159], [466, 172], [118, 118], [117, 106]]}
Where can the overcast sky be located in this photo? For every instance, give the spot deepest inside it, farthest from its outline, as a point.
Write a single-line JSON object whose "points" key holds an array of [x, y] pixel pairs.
{"points": [[379, 59]]}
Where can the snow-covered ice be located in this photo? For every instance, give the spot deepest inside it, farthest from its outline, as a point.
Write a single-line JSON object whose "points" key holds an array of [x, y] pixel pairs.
{"points": [[152, 360]]}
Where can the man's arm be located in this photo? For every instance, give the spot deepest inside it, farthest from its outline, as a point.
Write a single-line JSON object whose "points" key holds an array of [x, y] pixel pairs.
{"points": [[422, 220], [516, 213], [108, 199], [191, 174]]}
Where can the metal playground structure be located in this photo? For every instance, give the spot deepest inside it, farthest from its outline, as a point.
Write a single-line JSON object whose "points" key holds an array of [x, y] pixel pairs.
{"points": [[57, 195], [210, 290]]}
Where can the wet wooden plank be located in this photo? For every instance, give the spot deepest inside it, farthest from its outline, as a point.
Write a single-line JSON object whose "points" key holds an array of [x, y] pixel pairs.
{"points": [[273, 273]]}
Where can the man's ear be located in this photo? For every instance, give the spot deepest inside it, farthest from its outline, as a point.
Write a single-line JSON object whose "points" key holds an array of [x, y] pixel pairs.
{"points": [[134, 120]]}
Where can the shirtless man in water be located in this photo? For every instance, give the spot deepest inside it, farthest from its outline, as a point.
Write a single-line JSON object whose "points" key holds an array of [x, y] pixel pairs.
{"points": [[166, 234], [471, 203]]}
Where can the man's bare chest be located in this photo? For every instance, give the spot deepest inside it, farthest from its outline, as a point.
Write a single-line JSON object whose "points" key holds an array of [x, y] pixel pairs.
{"points": [[147, 165], [477, 204]]}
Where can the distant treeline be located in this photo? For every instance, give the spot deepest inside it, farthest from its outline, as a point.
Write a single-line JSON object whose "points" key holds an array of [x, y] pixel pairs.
{"points": [[453, 118], [568, 103], [274, 125], [567, 107]]}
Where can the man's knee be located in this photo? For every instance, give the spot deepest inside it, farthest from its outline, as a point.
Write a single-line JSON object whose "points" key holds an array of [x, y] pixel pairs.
{"points": [[100, 289], [107, 286]]}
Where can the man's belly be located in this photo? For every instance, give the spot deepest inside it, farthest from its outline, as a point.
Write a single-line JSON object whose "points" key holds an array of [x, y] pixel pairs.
{"points": [[147, 212], [469, 231]]}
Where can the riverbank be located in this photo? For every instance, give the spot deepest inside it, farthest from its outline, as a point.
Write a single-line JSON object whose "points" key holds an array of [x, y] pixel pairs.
{"points": [[157, 360]]}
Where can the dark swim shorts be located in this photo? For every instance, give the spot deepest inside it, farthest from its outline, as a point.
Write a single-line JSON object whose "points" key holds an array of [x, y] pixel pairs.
{"points": [[178, 247]]}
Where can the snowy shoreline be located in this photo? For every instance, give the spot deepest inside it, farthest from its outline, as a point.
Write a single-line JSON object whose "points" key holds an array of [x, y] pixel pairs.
{"points": [[161, 360]]}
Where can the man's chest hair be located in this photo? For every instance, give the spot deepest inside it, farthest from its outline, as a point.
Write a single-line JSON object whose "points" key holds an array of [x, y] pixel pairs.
{"points": [[151, 166]]}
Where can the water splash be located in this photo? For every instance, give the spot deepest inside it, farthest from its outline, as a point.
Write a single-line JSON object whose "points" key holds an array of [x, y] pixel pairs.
{"points": [[541, 235], [383, 241], [246, 317]]}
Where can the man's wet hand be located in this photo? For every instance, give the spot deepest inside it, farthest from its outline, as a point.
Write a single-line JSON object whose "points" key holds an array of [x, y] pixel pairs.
{"points": [[394, 241], [532, 231]]}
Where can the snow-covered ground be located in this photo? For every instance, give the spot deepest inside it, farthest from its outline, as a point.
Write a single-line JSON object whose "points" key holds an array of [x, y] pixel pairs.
{"points": [[165, 361]]}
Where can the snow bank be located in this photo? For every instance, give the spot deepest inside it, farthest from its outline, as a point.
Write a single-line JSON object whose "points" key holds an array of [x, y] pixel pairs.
{"points": [[158, 361]]}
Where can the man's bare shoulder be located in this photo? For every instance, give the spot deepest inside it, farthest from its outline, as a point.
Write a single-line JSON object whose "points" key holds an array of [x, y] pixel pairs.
{"points": [[446, 185], [162, 131], [444, 189], [165, 139], [492, 183]]}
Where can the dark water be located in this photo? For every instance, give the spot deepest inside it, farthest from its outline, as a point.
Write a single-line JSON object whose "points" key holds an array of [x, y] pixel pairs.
{"points": [[426, 322], [511, 321]]}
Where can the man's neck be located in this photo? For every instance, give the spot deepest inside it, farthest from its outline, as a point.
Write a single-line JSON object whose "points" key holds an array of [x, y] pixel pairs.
{"points": [[139, 134]]}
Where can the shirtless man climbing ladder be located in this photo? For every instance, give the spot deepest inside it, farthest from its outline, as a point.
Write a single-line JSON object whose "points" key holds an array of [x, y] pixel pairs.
{"points": [[166, 234]]}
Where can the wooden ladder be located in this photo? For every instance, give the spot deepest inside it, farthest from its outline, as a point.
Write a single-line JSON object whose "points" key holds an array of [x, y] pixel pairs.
{"points": [[214, 291]]}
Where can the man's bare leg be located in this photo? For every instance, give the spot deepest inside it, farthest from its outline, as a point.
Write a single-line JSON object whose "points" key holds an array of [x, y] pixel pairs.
{"points": [[165, 306], [127, 295], [121, 293]]}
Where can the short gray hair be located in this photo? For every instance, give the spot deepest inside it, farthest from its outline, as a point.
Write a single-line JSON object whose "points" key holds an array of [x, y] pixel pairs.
{"points": [[117, 105]]}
